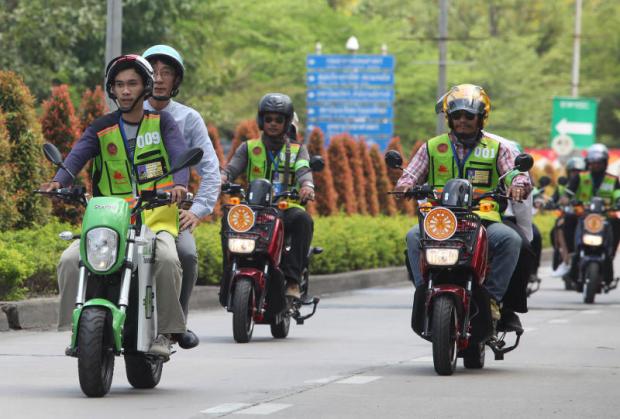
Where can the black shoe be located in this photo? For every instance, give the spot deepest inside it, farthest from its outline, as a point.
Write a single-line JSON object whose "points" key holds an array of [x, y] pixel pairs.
{"points": [[187, 340], [509, 322]]}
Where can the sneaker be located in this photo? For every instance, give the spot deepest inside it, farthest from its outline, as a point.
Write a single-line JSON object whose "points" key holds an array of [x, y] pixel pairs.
{"points": [[495, 313], [561, 270], [161, 346], [292, 290]]}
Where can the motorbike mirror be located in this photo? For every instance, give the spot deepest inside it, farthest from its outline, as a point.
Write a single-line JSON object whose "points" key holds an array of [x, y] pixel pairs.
{"points": [[317, 164], [52, 153], [562, 180], [190, 158], [524, 162], [393, 159], [544, 181]]}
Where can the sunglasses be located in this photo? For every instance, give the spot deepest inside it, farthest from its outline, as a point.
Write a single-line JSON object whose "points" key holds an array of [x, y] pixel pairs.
{"points": [[459, 114], [277, 119]]}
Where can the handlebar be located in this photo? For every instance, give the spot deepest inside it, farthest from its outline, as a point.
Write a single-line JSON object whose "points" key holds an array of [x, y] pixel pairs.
{"points": [[75, 195]]}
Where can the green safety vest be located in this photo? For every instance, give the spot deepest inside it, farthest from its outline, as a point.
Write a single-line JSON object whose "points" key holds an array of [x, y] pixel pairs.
{"points": [[585, 189], [113, 175], [480, 168], [260, 167]]}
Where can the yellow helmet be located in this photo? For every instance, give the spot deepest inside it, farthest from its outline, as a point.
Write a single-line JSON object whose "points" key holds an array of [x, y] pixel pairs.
{"points": [[467, 97]]}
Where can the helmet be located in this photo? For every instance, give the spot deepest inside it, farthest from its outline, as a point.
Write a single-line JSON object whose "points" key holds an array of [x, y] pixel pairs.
{"points": [[277, 103], [467, 97], [124, 62], [170, 56], [575, 163], [597, 153]]}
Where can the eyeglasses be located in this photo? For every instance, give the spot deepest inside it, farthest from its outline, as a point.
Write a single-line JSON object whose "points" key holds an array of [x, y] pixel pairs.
{"points": [[459, 114], [277, 119], [164, 73]]}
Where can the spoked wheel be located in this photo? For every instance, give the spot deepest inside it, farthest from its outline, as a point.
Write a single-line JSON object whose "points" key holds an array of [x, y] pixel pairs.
{"points": [[280, 330], [592, 283], [95, 352], [473, 357], [143, 371], [444, 335], [243, 310]]}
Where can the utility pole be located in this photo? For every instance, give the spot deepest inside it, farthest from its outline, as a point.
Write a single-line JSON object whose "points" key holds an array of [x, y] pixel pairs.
{"points": [[443, 35], [576, 49], [113, 40]]}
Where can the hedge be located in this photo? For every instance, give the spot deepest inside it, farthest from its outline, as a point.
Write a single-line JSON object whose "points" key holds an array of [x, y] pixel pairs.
{"points": [[28, 257]]}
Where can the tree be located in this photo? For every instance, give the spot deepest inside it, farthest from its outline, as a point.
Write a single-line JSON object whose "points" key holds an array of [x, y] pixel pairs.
{"points": [[359, 181], [92, 106], [386, 201], [26, 141], [325, 195], [371, 178], [8, 202], [343, 181], [246, 130]]}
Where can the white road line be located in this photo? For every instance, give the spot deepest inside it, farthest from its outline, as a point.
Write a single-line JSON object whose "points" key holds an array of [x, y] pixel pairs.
{"points": [[324, 380], [225, 408], [591, 311], [529, 329], [358, 379], [263, 409], [428, 358], [558, 321]]}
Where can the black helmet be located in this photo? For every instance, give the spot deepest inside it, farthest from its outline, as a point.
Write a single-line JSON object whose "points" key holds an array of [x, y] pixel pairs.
{"points": [[276, 103], [124, 62]]}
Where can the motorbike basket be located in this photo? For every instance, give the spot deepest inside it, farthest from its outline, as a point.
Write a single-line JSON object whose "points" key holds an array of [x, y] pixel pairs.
{"points": [[468, 225]]}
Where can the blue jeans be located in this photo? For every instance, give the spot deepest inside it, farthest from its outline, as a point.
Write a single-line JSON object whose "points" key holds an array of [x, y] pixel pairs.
{"points": [[504, 248]]}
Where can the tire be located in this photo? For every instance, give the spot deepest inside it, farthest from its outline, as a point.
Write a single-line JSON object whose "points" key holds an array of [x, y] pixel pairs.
{"points": [[142, 370], [243, 310], [473, 358], [592, 283], [280, 330], [444, 335], [95, 352]]}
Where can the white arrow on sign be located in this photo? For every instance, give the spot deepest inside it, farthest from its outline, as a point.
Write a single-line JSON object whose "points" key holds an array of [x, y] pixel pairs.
{"points": [[579, 128]]}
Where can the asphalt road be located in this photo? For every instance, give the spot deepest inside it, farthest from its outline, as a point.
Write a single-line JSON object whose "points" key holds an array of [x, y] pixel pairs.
{"points": [[357, 358]]}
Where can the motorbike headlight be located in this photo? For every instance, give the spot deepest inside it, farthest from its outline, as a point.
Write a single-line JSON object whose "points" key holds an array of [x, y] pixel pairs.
{"points": [[236, 245], [442, 257], [592, 240], [101, 248]]}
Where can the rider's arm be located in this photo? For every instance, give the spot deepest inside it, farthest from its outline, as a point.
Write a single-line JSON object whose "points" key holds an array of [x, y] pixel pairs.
{"points": [[197, 136], [175, 146], [237, 163], [505, 163], [303, 173], [85, 149], [417, 168]]}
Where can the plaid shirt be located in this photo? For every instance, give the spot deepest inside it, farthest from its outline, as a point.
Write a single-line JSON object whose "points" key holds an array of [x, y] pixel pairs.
{"points": [[418, 166]]}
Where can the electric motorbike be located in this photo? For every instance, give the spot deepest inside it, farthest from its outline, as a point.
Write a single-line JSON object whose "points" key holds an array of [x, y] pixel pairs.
{"points": [[452, 309], [253, 242], [115, 308]]}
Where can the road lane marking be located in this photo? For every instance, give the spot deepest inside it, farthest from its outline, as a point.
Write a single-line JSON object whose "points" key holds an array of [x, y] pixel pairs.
{"points": [[359, 379], [591, 311], [225, 408], [263, 409], [558, 321], [529, 329], [427, 358], [324, 380]]}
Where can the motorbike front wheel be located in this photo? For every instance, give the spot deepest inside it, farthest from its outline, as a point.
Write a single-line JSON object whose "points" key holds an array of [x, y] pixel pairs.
{"points": [[243, 310], [143, 371], [592, 283], [444, 335], [95, 352]]}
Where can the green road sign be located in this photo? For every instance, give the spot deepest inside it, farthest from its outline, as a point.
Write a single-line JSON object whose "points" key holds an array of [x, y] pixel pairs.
{"points": [[574, 119]]}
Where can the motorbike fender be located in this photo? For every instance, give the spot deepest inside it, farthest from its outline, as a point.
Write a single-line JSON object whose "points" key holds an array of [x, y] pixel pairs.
{"points": [[258, 277], [458, 294], [118, 321], [275, 248], [480, 256]]}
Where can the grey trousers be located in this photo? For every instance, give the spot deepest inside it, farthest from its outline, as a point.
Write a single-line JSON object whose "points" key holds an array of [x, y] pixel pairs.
{"points": [[167, 272], [186, 248]]}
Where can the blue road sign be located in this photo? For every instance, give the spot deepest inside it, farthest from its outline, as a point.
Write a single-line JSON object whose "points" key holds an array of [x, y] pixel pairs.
{"points": [[348, 111], [354, 95], [350, 78], [350, 62]]}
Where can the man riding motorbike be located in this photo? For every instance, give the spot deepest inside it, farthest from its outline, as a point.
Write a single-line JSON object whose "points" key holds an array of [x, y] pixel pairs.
{"points": [[591, 183], [469, 153], [124, 163], [168, 75], [266, 158]]}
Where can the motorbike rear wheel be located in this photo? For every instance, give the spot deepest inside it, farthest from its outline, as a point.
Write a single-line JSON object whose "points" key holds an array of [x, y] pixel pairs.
{"points": [[95, 352], [280, 330], [473, 357], [592, 283], [143, 371], [243, 310], [444, 335]]}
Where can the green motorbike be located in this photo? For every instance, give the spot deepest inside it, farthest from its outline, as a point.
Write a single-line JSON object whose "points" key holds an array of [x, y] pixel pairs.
{"points": [[115, 309]]}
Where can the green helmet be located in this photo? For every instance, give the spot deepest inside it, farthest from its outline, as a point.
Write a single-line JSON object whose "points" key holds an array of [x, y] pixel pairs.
{"points": [[172, 57]]}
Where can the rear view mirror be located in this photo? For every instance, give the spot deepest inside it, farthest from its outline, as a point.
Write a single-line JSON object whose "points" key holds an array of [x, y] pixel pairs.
{"points": [[524, 162], [393, 159], [52, 153], [544, 181], [562, 180], [316, 163], [190, 158]]}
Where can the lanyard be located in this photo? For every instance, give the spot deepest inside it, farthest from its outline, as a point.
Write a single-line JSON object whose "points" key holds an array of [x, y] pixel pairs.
{"points": [[274, 160], [121, 125], [460, 163]]}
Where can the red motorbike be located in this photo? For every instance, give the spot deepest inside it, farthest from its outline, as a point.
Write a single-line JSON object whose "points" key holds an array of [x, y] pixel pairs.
{"points": [[253, 242], [452, 309]]}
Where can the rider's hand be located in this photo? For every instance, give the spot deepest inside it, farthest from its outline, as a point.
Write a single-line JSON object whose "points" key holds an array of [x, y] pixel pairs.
{"points": [[400, 188], [224, 178], [188, 220], [306, 193], [50, 186], [564, 200], [177, 194], [516, 192]]}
